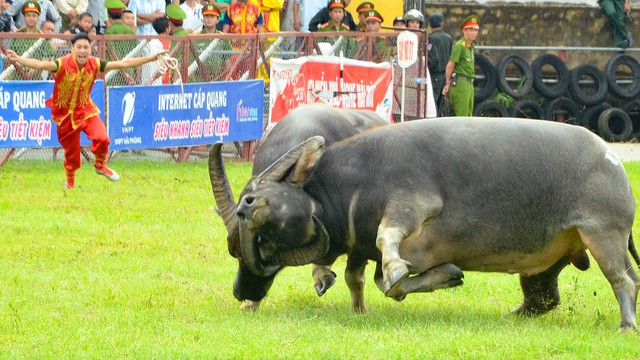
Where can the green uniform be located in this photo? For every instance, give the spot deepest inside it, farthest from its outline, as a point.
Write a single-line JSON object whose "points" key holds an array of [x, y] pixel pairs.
{"points": [[347, 44], [381, 50], [121, 48], [118, 28], [217, 57], [22, 45], [462, 93], [614, 9], [181, 32], [440, 44]]}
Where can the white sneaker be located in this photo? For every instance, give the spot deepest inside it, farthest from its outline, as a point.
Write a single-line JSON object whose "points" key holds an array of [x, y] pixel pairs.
{"points": [[110, 174]]}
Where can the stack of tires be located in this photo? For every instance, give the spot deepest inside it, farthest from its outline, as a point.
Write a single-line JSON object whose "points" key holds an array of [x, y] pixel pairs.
{"points": [[606, 102]]}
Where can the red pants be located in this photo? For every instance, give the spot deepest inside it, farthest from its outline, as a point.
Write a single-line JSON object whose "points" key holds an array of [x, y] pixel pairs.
{"points": [[70, 141]]}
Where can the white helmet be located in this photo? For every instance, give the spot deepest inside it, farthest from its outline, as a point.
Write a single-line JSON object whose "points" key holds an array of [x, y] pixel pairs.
{"points": [[414, 15]]}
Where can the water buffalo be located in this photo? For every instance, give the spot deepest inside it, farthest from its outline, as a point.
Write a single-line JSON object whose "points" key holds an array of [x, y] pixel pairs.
{"points": [[430, 198], [298, 125]]}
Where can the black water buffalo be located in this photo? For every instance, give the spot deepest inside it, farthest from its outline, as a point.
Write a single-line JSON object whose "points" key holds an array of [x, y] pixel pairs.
{"points": [[298, 125], [430, 198]]}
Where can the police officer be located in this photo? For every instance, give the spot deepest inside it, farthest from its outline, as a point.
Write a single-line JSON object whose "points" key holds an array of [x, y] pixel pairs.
{"points": [[462, 64], [115, 10], [211, 18], [440, 44], [336, 12], [31, 12], [362, 11], [176, 17], [381, 50]]}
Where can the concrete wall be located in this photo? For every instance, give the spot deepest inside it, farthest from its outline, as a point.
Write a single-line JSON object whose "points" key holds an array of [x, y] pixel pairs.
{"points": [[537, 24]]}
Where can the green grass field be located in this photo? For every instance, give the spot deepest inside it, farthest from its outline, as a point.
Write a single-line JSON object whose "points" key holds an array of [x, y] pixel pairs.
{"points": [[139, 269]]}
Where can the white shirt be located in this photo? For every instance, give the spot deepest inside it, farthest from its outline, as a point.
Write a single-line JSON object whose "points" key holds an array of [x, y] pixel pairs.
{"points": [[149, 69], [194, 19], [309, 9], [147, 7]]}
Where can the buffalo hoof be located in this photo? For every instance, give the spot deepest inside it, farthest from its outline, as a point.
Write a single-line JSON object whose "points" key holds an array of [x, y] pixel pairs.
{"points": [[527, 310], [395, 291], [394, 273], [325, 282], [250, 305]]}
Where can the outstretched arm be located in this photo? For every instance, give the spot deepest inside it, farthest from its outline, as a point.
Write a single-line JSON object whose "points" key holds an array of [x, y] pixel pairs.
{"points": [[47, 65], [131, 62]]}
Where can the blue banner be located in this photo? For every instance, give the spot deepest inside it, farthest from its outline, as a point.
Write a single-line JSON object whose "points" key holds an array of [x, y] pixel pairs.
{"points": [[25, 120], [146, 117]]}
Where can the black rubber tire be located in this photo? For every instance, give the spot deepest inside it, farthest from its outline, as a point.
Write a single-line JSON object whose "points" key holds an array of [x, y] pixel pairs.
{"points": [[486, 78], [545, 89], [524, 83], [589, 117], [526, 109], [578, 90], [632, 108], [614, 124], [490, 108], [610, 70], [563, 104]]}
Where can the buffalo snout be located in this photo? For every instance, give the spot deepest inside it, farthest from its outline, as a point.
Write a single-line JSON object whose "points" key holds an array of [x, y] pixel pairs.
{"points": [[246, 207]]}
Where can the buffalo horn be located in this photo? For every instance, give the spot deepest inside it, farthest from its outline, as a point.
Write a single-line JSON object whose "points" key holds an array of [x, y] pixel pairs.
{"points": [[280, 168], [251, 254], [222, 192], [309, 253]]}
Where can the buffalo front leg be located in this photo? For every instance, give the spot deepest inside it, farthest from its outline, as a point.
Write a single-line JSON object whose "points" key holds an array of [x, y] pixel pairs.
{"points": [[541, 290], [401, 219], [323, 278], [394, 268], [439, 277], [354, 277]]}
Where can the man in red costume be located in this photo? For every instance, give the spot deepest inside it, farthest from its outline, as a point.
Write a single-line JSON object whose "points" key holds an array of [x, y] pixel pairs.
{"points": [[71, 106]]}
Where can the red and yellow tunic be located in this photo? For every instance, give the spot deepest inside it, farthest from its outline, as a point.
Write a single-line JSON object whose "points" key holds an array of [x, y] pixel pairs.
{"points": [[244, 19], [72, 90]]}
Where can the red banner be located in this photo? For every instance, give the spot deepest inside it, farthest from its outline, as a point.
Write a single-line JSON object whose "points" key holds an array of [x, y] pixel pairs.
{"points": [[341, 83]]}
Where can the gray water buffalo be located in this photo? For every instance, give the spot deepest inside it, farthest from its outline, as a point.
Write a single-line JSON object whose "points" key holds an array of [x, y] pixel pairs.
{"points": [[430, 198], [298, 125]]}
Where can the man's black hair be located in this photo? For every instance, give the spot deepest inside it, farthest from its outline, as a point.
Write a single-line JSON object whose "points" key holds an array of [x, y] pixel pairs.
{"points": [[160, 25], [80, 37]]}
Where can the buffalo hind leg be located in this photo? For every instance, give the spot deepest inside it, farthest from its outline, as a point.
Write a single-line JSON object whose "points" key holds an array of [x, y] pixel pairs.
{"points": [[541, 290], [439, 277], [323, 278], [355, 279], [611, 255]]}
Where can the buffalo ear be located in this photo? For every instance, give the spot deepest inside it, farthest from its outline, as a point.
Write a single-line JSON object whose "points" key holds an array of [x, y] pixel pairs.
{"points": [[307, 161], [303, 157]]}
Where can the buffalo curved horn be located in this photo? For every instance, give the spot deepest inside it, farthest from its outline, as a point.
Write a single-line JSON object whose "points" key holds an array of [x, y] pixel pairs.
{"points": [[251, 254], [280, 168], [309, 253], [222, 192]]}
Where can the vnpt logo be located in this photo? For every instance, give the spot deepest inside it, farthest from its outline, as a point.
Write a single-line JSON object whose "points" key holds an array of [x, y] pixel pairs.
{"points": [[128, 107]]}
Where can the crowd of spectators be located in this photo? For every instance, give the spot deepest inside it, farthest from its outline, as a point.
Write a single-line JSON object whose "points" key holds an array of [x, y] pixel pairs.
{"points": [[182, 18]]}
